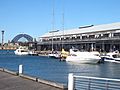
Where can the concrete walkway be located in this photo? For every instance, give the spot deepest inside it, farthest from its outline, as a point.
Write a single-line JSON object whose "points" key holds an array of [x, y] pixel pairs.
{"points": [[13, 82]]}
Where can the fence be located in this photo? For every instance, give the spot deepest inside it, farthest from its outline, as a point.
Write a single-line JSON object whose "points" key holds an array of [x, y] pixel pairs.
{"points": [[92, 83]]}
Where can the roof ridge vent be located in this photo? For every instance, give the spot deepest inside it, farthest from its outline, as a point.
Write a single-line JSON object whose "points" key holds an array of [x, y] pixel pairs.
{"points": [[86, 26]]}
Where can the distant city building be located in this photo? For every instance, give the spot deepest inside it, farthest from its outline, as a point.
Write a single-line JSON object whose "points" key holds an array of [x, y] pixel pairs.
{"points": [[104, 37]]}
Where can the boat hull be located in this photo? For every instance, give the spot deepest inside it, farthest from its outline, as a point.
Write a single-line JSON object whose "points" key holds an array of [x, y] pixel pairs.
{"points": [[82, 60], [108, 59], [56, 56], [83, 57]]}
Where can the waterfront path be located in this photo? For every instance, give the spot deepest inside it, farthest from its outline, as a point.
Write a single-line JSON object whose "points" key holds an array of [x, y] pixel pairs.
{"points": [[14, 82]]}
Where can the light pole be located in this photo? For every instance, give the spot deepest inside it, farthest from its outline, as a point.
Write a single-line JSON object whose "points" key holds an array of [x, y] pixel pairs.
{"points": [[2, 38]]}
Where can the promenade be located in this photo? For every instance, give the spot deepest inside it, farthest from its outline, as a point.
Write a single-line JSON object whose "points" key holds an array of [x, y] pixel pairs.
{"points": [[13, 82]]}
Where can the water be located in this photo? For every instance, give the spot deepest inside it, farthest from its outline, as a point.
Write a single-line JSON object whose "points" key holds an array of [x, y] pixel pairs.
{"points": [[54, 70]]}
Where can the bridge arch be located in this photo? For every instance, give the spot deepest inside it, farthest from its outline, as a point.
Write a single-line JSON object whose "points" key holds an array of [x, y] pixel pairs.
{"points": [[16, 38]]}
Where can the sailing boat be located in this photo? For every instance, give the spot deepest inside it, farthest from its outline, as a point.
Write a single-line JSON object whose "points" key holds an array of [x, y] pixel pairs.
{"points": [[53, 54]]}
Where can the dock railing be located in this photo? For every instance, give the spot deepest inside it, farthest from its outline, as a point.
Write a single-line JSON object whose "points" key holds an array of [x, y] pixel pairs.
{"points": [[92, 83]]}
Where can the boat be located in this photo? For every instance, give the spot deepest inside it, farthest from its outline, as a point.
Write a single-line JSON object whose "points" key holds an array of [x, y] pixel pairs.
{"points": [[22, 50], [83, 56], [32, 53], [54, 54], [63, 55], [112, 57]]}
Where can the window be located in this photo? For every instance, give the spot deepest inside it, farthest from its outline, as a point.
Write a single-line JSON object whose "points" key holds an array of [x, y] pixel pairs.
{"points": [[116, 34]]}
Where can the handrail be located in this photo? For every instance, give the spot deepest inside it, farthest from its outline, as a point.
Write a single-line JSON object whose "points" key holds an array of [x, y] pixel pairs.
{"points": [[97, 78], [76, 82]]}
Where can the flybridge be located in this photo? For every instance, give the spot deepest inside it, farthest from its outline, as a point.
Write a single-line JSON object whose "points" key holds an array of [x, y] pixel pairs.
{"points": [[86, 26]]}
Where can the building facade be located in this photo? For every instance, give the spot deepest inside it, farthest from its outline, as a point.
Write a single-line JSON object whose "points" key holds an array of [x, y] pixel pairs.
{"points": [[104, 37]]}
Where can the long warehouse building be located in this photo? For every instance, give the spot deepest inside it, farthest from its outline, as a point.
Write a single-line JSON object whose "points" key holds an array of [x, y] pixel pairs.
{"points": [[104, 37]]}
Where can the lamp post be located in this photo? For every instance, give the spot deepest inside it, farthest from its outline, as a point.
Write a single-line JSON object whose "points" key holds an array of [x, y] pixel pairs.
{"points": [[2, 38]]}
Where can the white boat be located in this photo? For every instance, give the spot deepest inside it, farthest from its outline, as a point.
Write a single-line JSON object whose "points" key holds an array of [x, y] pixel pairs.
{"points": [[83, 57], [112, 57], [32, 53], [55, 55], [22, 50]]}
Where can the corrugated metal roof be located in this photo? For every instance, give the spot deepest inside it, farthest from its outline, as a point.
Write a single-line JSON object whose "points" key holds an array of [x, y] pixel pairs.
{"points": [[96, 28]]}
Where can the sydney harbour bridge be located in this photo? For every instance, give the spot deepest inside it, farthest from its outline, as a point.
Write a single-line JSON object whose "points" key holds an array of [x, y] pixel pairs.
{"points": [[18, 40], [31, 43], [26, 36]]}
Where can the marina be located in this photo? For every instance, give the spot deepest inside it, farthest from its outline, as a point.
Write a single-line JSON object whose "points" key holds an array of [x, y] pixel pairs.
{"points": [[60, 45], [54, 70]]}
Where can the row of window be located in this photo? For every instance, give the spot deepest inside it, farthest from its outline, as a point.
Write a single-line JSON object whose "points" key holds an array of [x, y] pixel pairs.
{"points": [[75, 37]]}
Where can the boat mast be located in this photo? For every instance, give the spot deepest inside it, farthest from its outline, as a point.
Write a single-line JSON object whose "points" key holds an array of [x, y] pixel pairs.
{"points": [[53, 23], [63, 25]]}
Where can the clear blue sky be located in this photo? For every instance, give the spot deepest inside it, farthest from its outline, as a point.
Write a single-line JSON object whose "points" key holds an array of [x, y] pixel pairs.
{"points": [[34, 17]]}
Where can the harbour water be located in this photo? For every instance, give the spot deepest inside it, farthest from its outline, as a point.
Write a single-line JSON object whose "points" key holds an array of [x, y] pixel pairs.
{"points": [[54, 70]]}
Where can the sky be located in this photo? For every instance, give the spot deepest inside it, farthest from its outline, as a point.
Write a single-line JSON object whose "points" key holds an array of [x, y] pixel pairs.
{"points": [[35, 17]]}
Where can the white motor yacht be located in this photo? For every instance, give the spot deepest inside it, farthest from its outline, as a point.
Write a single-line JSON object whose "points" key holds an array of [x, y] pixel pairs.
{"points": [[112, 57], [22, 50], [83, 57]]}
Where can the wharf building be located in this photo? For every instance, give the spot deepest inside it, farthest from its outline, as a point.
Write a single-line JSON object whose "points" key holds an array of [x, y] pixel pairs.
{"points": [[104, 38]]}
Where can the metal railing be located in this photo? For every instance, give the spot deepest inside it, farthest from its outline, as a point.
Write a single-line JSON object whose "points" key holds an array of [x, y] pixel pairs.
{"points": [[92, 83]]}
